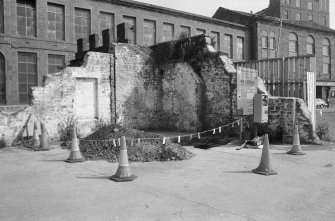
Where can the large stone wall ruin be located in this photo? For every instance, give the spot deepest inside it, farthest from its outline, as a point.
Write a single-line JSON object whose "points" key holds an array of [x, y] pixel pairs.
{"points": [[127, 86]]}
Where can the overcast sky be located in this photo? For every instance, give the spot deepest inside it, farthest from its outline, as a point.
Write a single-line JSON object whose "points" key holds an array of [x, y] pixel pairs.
{"points": [[208, 7]]}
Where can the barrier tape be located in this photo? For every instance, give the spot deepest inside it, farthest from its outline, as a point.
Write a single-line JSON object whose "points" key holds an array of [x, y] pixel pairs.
{"points": [[164, 139]]}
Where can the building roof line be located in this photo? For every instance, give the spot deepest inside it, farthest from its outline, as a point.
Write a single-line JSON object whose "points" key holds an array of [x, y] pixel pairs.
{"points": [[160, 9]]}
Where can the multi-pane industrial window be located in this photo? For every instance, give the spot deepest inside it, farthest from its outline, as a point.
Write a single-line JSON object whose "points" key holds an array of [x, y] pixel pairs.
{"points": [[240, 48], [310, 5], [326, 58], [297, 3], [149, 32], [1, 17], [82, 23], [106, 21], [26, 18], [200, 31], [55, 63], [27, 75], [293, 45], [310, 45], [2, 80], [168, 32], [185, 31], [132, 28], [216, 36], [264, 44], [228, 45], [297, 16], [56, 22]]}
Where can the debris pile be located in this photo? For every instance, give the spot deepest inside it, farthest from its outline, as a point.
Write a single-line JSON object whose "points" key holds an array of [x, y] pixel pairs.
{"points": [[103, 144]]}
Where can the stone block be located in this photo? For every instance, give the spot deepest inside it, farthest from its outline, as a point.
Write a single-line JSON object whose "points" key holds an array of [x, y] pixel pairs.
{"points": [[94, 41]]}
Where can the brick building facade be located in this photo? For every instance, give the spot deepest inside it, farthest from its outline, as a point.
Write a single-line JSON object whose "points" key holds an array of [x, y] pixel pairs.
{"points": [[38, 37], [292, 28]]}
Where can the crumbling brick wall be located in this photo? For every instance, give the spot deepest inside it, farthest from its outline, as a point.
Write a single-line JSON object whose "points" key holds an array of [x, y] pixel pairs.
{"points": [[219, 96], [131, 89], [285, 113]]}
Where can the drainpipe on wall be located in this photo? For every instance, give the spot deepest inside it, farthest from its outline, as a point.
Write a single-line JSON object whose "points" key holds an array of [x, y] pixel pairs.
{"points": [[278, 43], [113, 80]]}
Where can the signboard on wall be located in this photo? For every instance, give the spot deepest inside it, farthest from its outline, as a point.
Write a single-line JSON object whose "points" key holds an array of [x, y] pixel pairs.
{"points": [[246, 89]]}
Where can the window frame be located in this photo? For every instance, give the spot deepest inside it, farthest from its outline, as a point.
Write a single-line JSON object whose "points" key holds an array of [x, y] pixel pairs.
{"points": [[24, 19], [183, 28], [63, 21], [310, 45], [240, 54], [153, 33], [2, 76], [2, 17], [216, 34], [326, 57], [54, 56], [310, 17], [230, 50], [285, 14], [298, 3], [165, 37], [310, 5], [132, 28], [27, 84], [89, 21], [200, 31], [298, 16], [296, 44], [104, 20]]}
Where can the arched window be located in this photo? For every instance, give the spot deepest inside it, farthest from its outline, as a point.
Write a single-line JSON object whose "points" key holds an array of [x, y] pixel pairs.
{"points": [[326, 57], [293, 45], [285, 14], [264, 44], [2, 80], [324, 21], [310, 45]]}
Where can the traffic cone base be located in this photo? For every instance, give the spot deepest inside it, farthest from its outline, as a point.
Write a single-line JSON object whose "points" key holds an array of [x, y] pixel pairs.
{"points": [[296, 148], [266, 173], [265, 167], [295, 152], [75, 157], [123, 179]]}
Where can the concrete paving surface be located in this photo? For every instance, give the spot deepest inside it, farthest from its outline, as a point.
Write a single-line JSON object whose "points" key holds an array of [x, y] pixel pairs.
{"points": [[216, 184]]}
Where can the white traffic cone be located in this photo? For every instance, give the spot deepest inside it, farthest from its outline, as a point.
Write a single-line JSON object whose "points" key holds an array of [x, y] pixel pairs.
{"points": [[123, 172], [75, 155]]}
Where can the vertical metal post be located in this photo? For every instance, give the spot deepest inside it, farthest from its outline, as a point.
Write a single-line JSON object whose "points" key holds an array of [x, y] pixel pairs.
{"points": [[241, 128]]}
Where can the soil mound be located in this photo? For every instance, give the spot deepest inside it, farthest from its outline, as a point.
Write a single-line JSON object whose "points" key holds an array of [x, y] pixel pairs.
{"points": [[99, 146]]}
